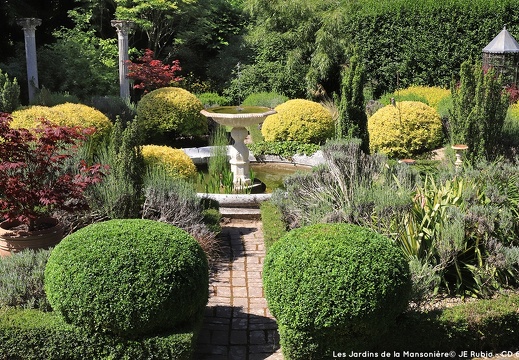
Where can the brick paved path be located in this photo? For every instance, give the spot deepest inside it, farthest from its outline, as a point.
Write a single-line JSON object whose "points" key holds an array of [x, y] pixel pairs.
{"points": [[237, 324]]}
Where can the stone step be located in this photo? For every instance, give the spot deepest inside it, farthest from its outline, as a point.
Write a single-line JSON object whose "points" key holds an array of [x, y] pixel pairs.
{"points": [[240, 213]]}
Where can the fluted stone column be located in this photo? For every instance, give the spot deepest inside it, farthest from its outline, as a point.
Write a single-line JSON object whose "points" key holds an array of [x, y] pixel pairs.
{"points": [[29, 29], [123, 28]]}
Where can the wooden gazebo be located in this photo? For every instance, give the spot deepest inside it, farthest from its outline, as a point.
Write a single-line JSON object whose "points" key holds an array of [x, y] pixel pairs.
{"points": [[502, 54]]}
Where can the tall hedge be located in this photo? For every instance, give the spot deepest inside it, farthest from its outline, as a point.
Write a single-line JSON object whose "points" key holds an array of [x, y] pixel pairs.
{"points": [[406, 42]]}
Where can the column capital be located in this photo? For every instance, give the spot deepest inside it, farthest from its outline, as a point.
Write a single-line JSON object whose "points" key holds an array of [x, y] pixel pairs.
{"points": [[28, 23], [122, 26]]}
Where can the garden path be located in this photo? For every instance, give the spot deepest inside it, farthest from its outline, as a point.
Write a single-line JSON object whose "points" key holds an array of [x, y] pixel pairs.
{"points": [[237, 323]]}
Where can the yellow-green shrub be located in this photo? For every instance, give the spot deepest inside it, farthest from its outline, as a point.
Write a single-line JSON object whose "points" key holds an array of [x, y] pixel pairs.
{"points": [[67, 114], [405, 130], [513, 112], [171, 110], [299, 120], [432, 94], [174, 161]]}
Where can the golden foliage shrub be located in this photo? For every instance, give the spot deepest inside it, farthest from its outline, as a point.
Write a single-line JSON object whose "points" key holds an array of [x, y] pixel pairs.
{"points": [[405, 130], [67, 114], [171, 109], [432, 94], [513, 112], [299, 120], [175, 162]]}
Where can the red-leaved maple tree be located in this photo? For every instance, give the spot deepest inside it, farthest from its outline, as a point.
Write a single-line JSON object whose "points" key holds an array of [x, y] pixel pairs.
{"points": [[149, 74], [35, 177]]}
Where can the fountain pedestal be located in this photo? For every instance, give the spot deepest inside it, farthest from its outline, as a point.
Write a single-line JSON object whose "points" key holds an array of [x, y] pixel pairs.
{"points": [[238, 118], [240, 157]]}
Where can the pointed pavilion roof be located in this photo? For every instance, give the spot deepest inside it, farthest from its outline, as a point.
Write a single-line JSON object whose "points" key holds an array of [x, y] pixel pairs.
{"points": [[502, 43]]}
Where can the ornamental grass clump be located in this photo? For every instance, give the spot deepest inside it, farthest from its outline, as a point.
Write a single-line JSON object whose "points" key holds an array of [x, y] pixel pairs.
{"points": [[405, 129], [130, 278], [334, 286]]}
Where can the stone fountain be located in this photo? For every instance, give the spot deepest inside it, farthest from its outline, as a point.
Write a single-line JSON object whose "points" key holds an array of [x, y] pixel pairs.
{"points": [[239, 118]]}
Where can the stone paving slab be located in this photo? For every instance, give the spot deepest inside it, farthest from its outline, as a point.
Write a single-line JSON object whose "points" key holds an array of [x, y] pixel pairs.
{"points": [[237, 323]]}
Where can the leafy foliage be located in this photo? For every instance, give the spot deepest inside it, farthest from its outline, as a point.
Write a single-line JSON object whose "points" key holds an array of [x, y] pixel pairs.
{"points": [[432, 95], [479, 111], [9, 93], [79, 62], [175, 202], [286, 149], [21, 280], [210, 99], [148, 277], [149, 74], [34, 173], [457, 232], [120, 195], [352, 120], [346, 285], [405, 129], [266, 99]]}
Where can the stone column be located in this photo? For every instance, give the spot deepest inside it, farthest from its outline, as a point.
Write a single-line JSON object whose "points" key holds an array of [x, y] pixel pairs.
{"points": [[29, 29], [123, 27]]}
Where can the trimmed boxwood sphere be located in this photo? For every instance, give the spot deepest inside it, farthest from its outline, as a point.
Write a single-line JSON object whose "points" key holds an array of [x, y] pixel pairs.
{"points": [[299, 120], [335, 279], [171, 110], [405, 130], [128, 277]]}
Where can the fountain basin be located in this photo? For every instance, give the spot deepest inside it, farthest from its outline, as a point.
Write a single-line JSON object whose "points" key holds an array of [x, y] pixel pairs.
{"points": [[238, 116]]}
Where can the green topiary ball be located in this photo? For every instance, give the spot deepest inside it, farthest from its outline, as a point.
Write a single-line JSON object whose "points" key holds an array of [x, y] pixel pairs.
{"points": [[299, 120], [329, 285], [128, 277], [404, 130], [171, 110]]}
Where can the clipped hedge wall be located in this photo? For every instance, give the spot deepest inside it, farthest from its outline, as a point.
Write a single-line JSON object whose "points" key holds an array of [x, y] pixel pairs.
{"points": [[274, 228], [128, 277], [404, 130], [299, 120], [170, 110], [334, 286], [175, 162], [406, 43], [36, 335]]}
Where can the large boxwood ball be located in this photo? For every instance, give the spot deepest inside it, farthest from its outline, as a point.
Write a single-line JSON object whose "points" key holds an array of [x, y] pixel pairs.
{"points": [[128, 277], [405, 129], [171, 110], [299, 120], [337, 279]]}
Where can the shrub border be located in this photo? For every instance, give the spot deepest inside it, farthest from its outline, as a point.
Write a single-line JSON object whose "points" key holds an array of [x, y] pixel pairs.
{"points": [[34, 334]]}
